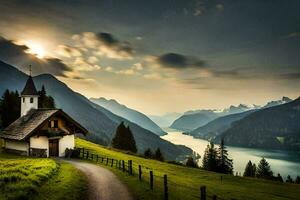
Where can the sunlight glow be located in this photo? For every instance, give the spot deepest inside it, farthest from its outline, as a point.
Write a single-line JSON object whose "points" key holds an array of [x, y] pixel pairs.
{"points": [[36, 49]]}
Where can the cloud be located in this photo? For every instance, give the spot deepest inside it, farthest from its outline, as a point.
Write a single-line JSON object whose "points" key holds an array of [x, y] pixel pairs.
{"points": [[105, 44], [68, 51], [220, 7], [292, 35], [17, 55], [81, 65], [178, 61]]}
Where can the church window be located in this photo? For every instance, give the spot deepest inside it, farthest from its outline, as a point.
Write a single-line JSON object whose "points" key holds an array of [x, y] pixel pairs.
{"points": [[23, 99], [31, 100]]}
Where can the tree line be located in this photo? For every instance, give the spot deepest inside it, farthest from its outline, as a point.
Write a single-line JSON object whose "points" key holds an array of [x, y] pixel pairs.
{"points": [[10, 105], [263, 170], [124, 140]]}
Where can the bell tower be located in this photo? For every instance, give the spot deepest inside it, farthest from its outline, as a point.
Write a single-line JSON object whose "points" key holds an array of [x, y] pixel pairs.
{"points": [[29, 96]]}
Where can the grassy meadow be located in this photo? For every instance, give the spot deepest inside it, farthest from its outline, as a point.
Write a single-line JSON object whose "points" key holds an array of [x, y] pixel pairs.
{"points": [[39, 178], [184, 182]]}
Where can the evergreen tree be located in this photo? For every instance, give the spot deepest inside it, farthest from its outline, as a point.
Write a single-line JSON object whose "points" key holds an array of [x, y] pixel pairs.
{"points": [[124, 139], [249, 170], [10, 107], [224, 163], [297, 180], [44, 100], [158, 155], [191, 163], [148, 153], [279, 178], [209, 161], [264, 170], [289, 179], [254, 169]]}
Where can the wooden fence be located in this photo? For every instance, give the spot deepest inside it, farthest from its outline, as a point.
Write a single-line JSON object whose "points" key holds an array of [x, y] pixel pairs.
{"points": [[141, 172]]}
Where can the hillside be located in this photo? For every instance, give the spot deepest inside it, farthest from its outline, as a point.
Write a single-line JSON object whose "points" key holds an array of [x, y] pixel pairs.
{"points": [[99, 121], [129, 114], [184, 182], [165, 120], [197, 118], [275, 127], [32, 178], [217, 126]]}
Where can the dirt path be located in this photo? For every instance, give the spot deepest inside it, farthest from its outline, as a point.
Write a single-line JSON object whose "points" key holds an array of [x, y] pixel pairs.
{"points": [[103, 184]]}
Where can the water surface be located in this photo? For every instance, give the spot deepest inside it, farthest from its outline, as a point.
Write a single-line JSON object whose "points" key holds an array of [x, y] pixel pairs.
{"points": [[283, 162]]}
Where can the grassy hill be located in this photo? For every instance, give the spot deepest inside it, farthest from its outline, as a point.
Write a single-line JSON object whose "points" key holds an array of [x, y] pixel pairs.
{"points": [[184, 182], [39, 178]]}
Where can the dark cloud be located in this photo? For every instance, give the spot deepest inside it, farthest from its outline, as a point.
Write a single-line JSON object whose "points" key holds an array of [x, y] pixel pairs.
{"points": [[123, 49], [178, 61], [289, 76], [15, 54]]}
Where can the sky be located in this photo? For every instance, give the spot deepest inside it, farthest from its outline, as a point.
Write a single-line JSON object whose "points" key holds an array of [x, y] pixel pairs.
{"points": [[159, 56]]}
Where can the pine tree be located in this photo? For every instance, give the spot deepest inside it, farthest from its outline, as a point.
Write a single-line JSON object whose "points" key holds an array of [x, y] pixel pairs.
{"points": [[191, 163], [148, 153], [224, 163], [44, 100], [249, 170], [10, 107], [297, 180], [209, 161], [264, 170], [124, 139], [279, 178], [158, 155], [289, 179]]}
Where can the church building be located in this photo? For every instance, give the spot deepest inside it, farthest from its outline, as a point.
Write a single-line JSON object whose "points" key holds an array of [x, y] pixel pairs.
{"points": [[40, 132]]}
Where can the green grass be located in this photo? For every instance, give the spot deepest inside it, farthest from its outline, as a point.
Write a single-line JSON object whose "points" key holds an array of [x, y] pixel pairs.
{"points": [[39, 178], [68, 184], [184, 182]]}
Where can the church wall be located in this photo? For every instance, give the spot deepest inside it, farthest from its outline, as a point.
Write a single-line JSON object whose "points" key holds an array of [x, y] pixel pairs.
{"points": [[40, 142], [68, 141], [21, 146]]}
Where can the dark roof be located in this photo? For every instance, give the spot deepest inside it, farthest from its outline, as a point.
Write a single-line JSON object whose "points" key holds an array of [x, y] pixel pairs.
{"points": [[23, 127], [29, 88]]}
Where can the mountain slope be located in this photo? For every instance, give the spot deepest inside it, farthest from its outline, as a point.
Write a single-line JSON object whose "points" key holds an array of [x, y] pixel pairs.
{"points": [[275, 127], [99, 121], [128, 113], [188, 122], [218, 126], [165, 120]]}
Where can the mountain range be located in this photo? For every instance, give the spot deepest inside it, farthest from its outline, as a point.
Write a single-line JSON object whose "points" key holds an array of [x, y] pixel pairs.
{"points": [[165, 120], [129, 114], [191, 120], [100, 122], [276, 127]]}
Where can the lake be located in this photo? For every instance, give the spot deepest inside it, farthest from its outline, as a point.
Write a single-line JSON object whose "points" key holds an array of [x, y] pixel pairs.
{"points": [[283, 162]]}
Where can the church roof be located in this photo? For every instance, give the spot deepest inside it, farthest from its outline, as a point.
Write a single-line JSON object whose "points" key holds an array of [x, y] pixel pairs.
{"points": [[29, 88], [23, 127]]}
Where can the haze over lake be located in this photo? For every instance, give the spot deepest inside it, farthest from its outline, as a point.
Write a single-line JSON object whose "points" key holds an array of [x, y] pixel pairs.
{"points": [[283, 162]]}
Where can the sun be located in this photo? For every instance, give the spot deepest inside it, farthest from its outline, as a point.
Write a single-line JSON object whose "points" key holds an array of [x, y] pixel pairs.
{"points": [[36, 49]]}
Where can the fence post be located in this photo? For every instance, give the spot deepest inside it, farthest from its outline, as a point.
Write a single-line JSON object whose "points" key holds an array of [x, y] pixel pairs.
{"points": [[123, 165], [106, 161], [151, 180], [97, 157], [140, 172], [112, 162], [166, 187], [203, 193], [102, 159], [87, 154], [82, 152], [130, 167], [214, 197], [92, 156]]}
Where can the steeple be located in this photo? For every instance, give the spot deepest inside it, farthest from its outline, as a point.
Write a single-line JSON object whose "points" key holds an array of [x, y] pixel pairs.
{"points": [[29, 96]]}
